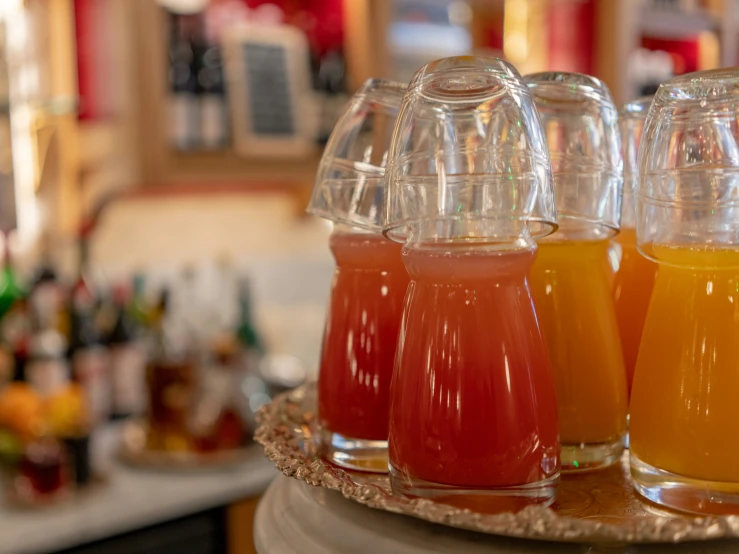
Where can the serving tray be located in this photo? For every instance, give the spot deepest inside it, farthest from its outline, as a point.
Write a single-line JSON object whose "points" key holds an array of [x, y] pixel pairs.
{"points": [[133, 451], [598, 507]]}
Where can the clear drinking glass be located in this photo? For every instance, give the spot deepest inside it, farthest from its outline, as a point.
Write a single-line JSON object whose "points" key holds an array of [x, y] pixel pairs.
{"points": [[369, 283], [473, 413], [684, 409], [634, 275], [571, 277]]}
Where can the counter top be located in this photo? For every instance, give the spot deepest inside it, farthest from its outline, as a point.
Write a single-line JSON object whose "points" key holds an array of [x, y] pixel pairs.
{"points": [[132, 498]]}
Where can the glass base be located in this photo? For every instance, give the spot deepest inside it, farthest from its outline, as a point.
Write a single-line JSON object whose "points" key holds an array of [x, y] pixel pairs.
{"points": [[685, 494], [591, 455], [489, 500], [357, 454]]}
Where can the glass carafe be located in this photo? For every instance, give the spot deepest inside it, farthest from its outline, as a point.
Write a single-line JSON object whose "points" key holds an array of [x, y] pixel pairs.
{"points": [[571, 279], [634, 276], [369, 283], [684, 411], [473, 412], [359, 344]]}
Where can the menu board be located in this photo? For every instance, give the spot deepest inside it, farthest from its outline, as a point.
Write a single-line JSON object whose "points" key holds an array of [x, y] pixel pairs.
{"points": [[269, 91]]}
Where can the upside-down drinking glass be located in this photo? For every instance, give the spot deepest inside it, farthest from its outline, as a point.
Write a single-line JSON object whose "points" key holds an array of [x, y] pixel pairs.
{"points": [[571, 276], [369, 284], [473, 413], [684, 408]]}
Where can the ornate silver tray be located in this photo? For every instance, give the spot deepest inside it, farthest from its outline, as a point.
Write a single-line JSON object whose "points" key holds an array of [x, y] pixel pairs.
{"points": [[595, 507]]}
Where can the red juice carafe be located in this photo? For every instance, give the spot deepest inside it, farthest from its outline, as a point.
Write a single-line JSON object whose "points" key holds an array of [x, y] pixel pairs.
{"points": [[361, 334], [369, 284], [473, 416]]}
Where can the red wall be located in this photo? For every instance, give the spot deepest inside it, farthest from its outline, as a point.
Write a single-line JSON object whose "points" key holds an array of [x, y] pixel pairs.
{"points": [[571, 35]]}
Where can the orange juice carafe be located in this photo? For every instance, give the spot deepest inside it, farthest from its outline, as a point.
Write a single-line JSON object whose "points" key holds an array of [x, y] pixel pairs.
{"points": [[370, 282], [684, 410], [634, 276], [473, 417], [570, 278]]}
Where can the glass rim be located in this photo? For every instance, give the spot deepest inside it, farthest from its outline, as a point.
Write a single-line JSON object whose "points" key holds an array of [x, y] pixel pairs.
{"points": [[458, 64], [377, 89], [588, 86], [393, 231], [698, 87], [636, 109]]}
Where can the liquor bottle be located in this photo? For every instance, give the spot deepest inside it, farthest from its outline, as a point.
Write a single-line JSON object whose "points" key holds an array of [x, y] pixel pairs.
{"points": [[331, 90], [127, 361], [184, 110], [10, 287], [20, 347], [68, 420], [46, 299], [137, 308], [171, 384], [246, 330], [222, 388], [223, 288], [213, 107], [89, 357], [47, 368]]}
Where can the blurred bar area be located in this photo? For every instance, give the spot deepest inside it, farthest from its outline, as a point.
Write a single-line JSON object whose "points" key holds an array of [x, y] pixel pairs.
{"points": [[160, 280]]}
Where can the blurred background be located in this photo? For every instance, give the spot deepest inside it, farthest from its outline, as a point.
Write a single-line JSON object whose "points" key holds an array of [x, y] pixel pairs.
{"points": [[156, 157], [148, 121]]}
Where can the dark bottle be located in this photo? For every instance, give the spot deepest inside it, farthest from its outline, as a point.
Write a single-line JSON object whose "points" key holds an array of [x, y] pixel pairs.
{"points": [[137, 307], [220, 417], [15, 333], [127, 361], [184, 109], [10, 287], [20, 359], [47, 368], [246, 330], [171, 384], [87, 353], [46, 301], [213, 108], [331, 90]]}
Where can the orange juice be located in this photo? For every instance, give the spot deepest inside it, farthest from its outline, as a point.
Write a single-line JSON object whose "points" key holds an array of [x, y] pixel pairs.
{"points": [[632, 290], [573, 300], [684, 406]]}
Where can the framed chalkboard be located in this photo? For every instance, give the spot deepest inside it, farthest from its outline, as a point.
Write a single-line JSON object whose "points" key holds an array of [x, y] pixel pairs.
{"points": [[269, 90]]}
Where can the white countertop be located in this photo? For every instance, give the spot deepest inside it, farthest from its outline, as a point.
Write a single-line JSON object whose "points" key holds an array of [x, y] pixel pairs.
{"points": [[131, 499], [295, 518]]}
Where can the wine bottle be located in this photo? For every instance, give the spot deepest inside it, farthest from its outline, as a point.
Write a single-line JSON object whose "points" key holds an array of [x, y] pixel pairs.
{"points": [[10, 288], [87, 353], [184, 110], [213, 108], [127, 362]]}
